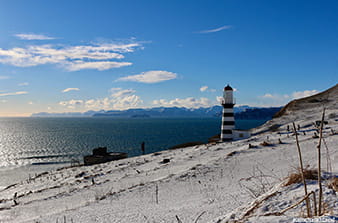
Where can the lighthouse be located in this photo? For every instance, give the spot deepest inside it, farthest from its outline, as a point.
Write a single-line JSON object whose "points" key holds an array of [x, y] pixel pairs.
{"points": [[228, 120]]}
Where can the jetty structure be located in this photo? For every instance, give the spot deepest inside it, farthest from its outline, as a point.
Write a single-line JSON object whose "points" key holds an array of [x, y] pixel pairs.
{"points": [[228, 131]]}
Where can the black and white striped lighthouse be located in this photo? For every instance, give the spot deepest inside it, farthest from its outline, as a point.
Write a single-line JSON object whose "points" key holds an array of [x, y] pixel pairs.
{"points": [[228, 120]]}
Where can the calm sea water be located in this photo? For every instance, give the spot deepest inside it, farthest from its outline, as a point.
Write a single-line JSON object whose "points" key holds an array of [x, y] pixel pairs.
{"points": [[25, 141]]}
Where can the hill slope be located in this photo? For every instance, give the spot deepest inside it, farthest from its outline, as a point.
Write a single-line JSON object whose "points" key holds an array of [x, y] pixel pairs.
{"points": [[307, 108], [327, 99]]}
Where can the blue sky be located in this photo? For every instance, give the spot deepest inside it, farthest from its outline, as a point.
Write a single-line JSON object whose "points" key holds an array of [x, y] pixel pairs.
{"points": [[71, 56]]}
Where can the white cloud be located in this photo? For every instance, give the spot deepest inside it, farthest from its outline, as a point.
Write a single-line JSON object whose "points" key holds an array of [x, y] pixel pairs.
{"points": [[150, 77], [189, 102], [294, 95], [73, 58], [26, 36], [120, 93], [302, 94], [120, 99], [30, 103], [215, 30], [4, 77], [203, 88], [219, 99], [23, 84], [275, 96], [268, 95], [279, 99], [13, 93], [206, 88], [3, 101], [71, 103], [70, 89], [98, 65]]}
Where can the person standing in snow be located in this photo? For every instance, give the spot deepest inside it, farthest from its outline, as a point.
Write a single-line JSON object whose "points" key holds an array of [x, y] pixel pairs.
{"points": [[143, 148]]}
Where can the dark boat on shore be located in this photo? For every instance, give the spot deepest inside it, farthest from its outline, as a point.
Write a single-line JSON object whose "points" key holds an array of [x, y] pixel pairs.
{"points": [[100, 155]]}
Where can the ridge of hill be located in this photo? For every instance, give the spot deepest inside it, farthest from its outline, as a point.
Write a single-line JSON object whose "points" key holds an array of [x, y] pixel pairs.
{"points": [[302, 109], [327, 98]]}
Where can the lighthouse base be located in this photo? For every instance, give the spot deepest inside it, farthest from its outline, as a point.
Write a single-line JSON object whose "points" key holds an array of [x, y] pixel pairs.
{"points": [[236, 135]]}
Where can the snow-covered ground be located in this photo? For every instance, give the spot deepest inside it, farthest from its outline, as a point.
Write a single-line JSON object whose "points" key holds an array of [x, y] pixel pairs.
{"points": [[220, 182]]}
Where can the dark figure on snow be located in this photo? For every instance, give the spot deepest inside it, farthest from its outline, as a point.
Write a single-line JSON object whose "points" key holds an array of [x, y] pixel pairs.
{"points": [[142, 148]]}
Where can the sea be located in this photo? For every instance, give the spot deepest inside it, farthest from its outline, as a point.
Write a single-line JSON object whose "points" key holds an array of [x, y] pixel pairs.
{"points": [[30, 145]]}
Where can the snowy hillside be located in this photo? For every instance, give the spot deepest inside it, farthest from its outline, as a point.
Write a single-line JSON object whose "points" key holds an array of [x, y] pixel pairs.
{"points": [[306, 109], [223, 182]]}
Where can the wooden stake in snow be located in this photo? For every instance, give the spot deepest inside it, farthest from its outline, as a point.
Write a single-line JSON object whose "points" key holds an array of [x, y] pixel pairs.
{"points": [[178, 219], [328, 160], [156, 194], [199, 216], [315, 203], [319, 166], [302, 171]]}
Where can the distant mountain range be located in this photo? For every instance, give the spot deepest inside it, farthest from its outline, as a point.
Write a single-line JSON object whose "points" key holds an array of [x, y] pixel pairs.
{"points": [[241, 112]]}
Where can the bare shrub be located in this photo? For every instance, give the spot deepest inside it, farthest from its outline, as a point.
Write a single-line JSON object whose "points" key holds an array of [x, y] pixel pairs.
{"points": [[333, 184], [332, 115], [274, 128], [257, 183], [309, 174], [265, 143], [232, 153], [252, 146]]}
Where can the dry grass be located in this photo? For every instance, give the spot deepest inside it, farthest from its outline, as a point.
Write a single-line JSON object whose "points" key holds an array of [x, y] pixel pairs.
{"points": [[252, 146], [309, 174], [265, 143], [333, 184], [215, 138], [231, 153]]}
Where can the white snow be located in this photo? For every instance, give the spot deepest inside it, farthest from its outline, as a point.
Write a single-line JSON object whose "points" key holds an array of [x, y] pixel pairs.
{"points": [[207, 183]]}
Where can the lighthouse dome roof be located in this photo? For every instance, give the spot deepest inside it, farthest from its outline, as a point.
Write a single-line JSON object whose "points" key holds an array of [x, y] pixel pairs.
{"points": [[228, 88]]}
